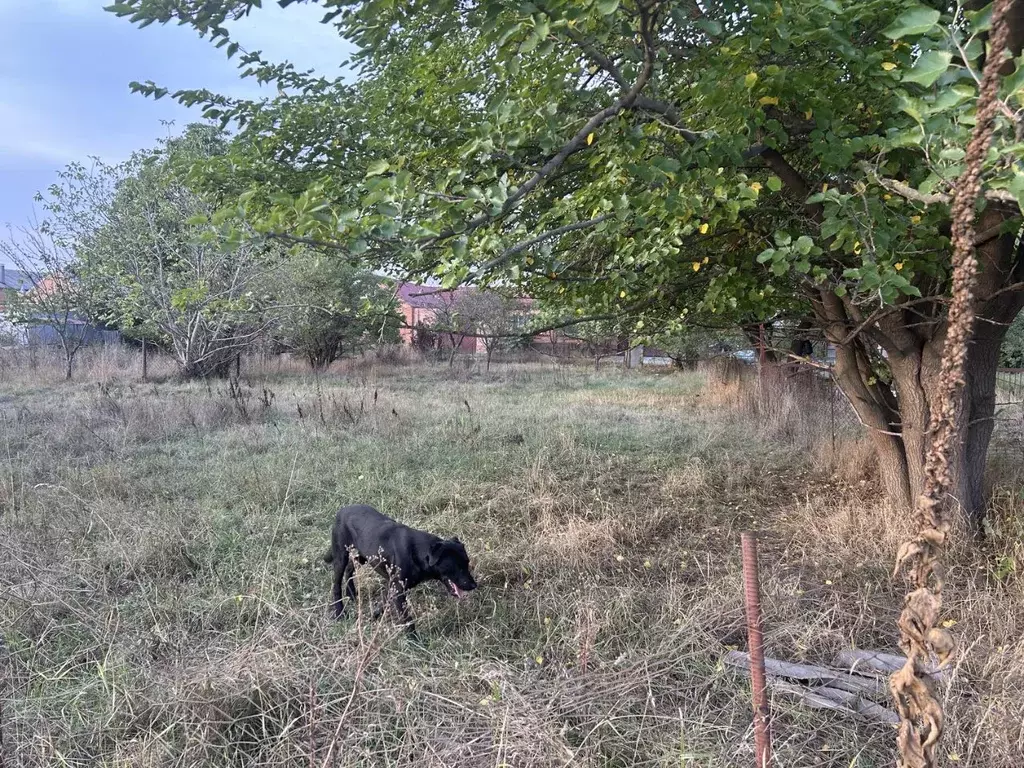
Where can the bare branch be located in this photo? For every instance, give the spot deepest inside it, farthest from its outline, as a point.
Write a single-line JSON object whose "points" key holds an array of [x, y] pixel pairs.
{"points": [[935, 198]]}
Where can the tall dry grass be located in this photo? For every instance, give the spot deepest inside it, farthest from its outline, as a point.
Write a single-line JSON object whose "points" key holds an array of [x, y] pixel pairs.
{"points": [[163, 604]]}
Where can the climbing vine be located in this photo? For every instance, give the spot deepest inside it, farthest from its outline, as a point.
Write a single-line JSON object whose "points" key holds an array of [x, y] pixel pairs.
{"points": [[921, 636]]}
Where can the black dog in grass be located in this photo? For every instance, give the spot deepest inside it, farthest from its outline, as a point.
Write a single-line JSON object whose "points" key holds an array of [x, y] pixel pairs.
{"points": [[404, 556]]}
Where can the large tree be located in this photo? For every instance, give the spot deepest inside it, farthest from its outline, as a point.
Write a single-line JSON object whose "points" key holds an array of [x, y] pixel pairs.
{"points": [[667, 161], [165, 271]]}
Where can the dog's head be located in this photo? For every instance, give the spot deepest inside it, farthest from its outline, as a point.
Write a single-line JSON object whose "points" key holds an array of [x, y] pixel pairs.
{"points": [[449, 560]]}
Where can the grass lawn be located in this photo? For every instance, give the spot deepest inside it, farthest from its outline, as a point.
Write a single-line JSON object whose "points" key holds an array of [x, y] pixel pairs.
{"points": [[163, 601]]}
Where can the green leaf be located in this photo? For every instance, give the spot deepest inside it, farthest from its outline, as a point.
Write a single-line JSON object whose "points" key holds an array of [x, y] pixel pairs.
{"points": [[713, 28], [666, 164], [377, 168], [915, 21], [774, 183], [607, 7], [530, 43], [766, 255], [1016, 188], [910, 137], [803, 245], [981, 21], [782, 239], [1014, 82], [929, 68]]}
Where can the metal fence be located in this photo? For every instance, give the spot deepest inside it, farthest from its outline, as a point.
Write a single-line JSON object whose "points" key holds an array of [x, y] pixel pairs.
{"points": [[803, 403], [795, 401]]}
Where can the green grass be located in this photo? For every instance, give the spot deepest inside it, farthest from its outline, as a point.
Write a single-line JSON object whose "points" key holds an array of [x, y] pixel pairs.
{"points": [[163, 602]]}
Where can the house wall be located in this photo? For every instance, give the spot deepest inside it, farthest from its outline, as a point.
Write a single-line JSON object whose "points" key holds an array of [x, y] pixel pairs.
{"points": [[46, 334], [409, 320], [414, 316]]}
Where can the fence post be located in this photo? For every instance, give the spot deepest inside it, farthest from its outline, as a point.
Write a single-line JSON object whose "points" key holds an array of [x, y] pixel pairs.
{"points": [[832, 407], [755, 641]]}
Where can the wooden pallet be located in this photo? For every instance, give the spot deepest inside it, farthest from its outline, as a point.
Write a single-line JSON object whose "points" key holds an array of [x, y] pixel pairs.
{"points": [[856, 683]]}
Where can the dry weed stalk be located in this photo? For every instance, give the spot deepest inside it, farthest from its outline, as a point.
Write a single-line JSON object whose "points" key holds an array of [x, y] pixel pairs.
{"points": [[919, 708]]}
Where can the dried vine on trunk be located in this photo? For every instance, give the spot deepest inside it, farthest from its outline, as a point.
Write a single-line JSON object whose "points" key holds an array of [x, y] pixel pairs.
{"points": [[921, 636]]}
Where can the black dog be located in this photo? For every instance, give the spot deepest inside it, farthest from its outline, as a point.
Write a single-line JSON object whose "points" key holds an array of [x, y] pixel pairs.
{"points": [[405, 557]]}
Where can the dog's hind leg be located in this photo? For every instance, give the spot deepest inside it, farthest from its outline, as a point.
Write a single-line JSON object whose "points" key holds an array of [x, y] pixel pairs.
{"points": [[342, 566], [350, 578]]}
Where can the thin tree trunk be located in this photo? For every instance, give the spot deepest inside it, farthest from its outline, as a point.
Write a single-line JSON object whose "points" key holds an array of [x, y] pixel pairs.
{"points": [[877, 416]]}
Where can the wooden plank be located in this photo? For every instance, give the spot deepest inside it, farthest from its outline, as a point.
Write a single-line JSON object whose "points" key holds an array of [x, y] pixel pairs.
{"points": [[836, 700], [823, 688], [865, 686], [867, 662]]}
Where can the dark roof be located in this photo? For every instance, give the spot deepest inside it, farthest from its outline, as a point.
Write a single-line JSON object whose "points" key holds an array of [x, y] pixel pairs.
{"points": [[428, 297], [14, 278]]}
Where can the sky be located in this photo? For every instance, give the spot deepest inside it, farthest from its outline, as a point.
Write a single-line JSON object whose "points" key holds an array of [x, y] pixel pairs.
{"points": [[65, 66]]}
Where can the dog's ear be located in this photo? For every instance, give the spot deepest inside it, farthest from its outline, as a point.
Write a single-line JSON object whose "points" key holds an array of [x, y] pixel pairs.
{"points": [[456, 539], [434, 554]]}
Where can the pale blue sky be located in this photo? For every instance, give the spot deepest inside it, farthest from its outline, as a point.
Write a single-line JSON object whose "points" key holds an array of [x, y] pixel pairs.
{"points": [[65, 66]]}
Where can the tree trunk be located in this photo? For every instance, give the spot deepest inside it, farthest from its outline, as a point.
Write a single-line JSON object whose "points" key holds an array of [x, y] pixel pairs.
{"points": [[68, 359], [487, 367], [901, 437], [878, 415]]}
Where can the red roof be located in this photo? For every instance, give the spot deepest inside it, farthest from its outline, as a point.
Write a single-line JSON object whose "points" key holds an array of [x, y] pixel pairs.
{"points": [[429, 297]]}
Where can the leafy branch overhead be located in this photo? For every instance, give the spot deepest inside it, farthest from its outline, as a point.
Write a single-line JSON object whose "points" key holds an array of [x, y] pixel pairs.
{"points": [[651, 132], [662, 162]]}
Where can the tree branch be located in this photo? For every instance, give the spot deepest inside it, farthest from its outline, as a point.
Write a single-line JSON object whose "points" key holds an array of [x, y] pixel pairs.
{"points": [[792, 178], [906, 191], [527, 244], [577, 142]]}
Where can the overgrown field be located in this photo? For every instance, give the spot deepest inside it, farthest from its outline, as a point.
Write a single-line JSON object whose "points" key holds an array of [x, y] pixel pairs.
{"points": [[163, 602]]}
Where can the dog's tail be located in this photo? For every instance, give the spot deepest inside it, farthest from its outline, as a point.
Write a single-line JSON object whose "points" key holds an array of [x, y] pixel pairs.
{"points": [[329, 556]]}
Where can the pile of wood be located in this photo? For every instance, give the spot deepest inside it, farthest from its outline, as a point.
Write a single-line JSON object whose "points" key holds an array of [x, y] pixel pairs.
{"points": [[855, 683]]}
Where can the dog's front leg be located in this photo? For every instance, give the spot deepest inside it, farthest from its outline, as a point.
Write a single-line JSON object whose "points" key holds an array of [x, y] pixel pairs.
{"points": [[394, 598], [402, 611]]}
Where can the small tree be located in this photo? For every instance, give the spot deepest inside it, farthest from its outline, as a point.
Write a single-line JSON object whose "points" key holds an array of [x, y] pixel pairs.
{"points": [[686, 346], [599, 339], [58, 299], [328, 307], [451, 320], [493, 317]]}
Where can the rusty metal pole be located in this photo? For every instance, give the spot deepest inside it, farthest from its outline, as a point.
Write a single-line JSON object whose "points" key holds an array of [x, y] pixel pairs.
{"points": [[755, 640]]}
